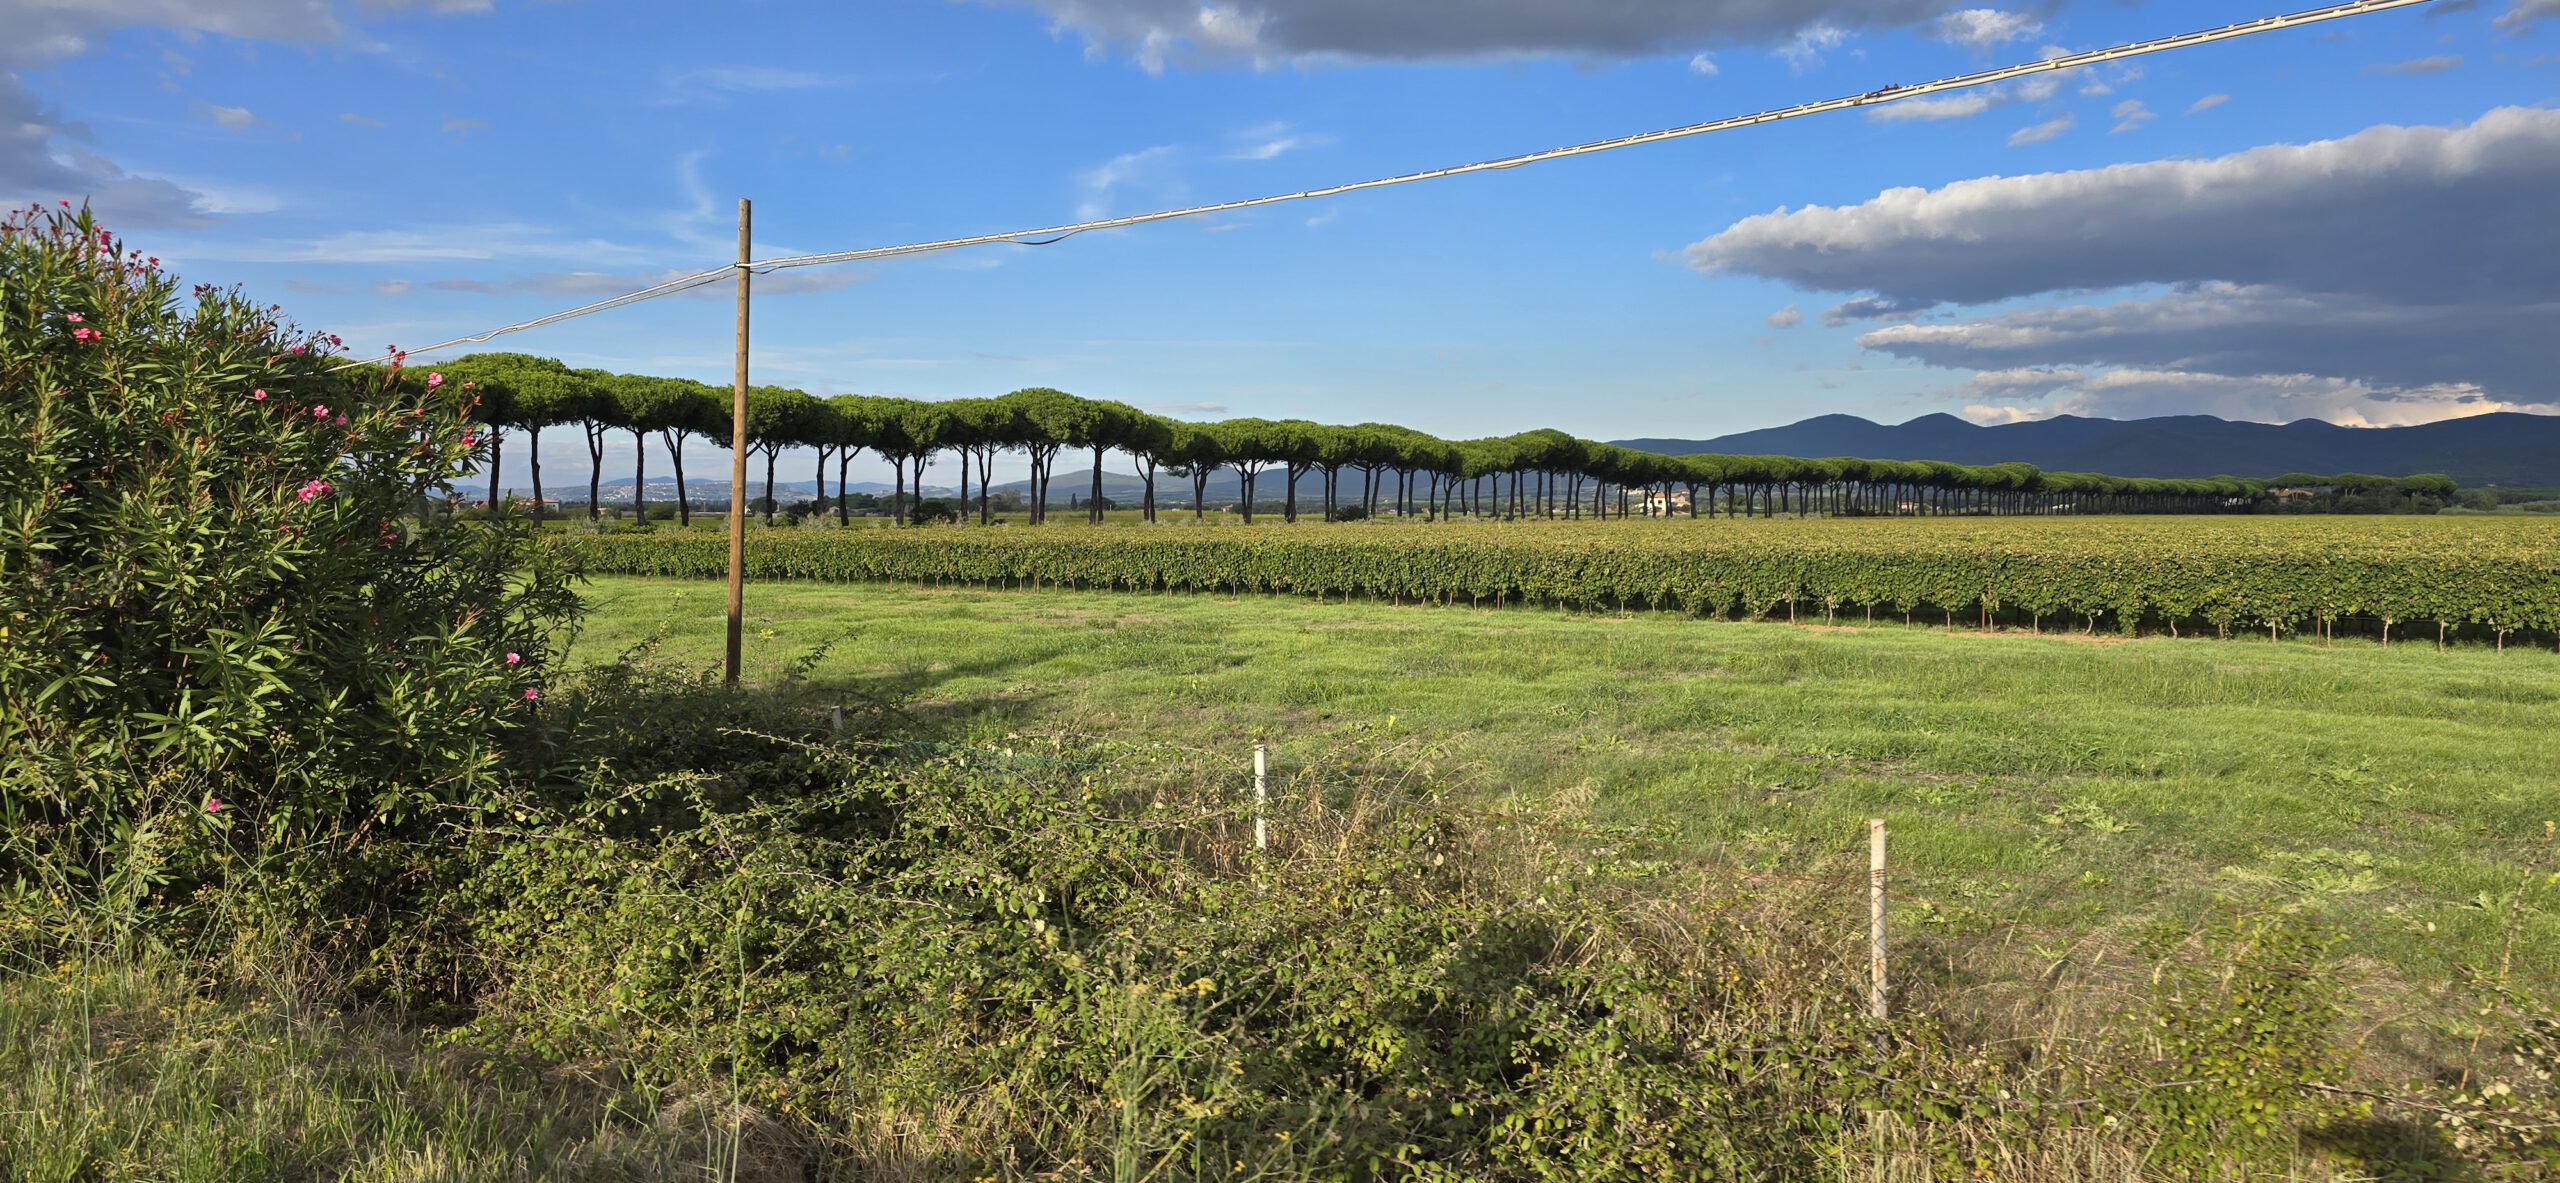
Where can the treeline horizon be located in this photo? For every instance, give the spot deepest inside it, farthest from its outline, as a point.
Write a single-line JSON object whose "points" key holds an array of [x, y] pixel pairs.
{"points": [[1539, 473]]}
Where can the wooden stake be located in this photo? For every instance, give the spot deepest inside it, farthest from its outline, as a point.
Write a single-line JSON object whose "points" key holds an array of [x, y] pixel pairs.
{"points": [[738, 464], [1875, 920], [1261, 797]]}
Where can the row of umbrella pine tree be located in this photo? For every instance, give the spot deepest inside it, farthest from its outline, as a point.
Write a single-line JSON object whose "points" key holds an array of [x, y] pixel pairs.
{"points": [[1370, 467]]}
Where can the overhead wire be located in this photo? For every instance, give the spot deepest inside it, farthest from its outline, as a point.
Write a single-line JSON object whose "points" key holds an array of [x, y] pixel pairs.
{"points": [[1047, 235]]}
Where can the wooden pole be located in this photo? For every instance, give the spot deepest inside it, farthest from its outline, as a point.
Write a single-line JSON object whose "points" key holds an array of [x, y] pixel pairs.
{"points": [[738, 463], [1875, 919], [1261, 797]]}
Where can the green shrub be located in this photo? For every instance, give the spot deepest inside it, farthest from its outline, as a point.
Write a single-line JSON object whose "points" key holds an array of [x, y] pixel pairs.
{"points": [[229, 625]]}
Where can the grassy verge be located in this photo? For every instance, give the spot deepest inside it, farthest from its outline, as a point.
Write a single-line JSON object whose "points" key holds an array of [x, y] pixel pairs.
{"points": [[130, 1067], [2046, 794]]}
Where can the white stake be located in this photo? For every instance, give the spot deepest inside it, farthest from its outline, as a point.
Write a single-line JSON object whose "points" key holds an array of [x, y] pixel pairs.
{"points": [[1261, 796], [1875, 918]]}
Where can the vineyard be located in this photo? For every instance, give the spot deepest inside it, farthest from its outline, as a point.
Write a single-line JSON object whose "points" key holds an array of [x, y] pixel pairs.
{"points": [[2494, 580]]}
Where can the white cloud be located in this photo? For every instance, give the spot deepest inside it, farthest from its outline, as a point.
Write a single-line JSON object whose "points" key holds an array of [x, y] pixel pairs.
{"points": [[2131, 114], [1954, 106], [1787, 317], [2264, 398], [43, 159], [2427, 65], [1260, 32], [358, 120], [1272, 140], [453, 124], [2207, 103], [1984, 28], [1704, 64], [2041, 132], [610, 283], [49, 30], [1991, 416], [2404, 213], [234, 118], [1099, 181], [2525, 12], [447, 242], [757, 79], [1805, 50], [2393, 274], [2232, 328]]}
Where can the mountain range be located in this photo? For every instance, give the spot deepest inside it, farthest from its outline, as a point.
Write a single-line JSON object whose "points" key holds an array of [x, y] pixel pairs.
{"points": [[2507, 448]]}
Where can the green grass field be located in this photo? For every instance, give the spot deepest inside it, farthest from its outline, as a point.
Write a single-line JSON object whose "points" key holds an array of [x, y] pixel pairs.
{"points": [[2050, 794]]}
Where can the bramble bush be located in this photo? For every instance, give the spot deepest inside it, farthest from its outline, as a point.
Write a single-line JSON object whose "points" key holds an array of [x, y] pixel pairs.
{"points": [[225, 626], [1061, 959]]}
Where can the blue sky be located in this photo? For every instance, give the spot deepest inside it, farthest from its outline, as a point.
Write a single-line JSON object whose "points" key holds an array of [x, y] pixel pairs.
{"points": [[401, 173]]}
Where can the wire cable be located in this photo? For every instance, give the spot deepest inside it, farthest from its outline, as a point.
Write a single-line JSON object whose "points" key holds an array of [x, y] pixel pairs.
{"points": [[1046, 235], [1872, 98], [670, 287]]}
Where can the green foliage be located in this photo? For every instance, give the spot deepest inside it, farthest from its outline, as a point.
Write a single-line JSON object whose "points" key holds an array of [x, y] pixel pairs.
{"points": [[220, 622], [2240, 1027], [2496, 574]]}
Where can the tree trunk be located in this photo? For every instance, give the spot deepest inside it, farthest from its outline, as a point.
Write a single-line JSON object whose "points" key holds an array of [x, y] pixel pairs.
{"points": [[821, 503], [595, 470], [497, 440], [639, 476], [1096, 500], [770, 455], [533, 457], [898, 490], [844, 500], [675, 457]]}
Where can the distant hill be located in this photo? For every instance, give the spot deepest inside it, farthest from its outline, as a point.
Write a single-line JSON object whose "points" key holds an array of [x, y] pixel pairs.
{"points": [[2501, 449]]}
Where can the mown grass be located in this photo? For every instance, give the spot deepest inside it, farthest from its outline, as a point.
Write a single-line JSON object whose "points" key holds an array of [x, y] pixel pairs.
{"points": [[2052, 796]]}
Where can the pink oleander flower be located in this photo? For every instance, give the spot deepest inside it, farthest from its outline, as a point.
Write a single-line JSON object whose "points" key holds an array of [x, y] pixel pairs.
{"points": [[105, 239], [154, 260], [66, 203], [84, 334], [257, 396], [73, 317], [513, 658], [470, 439], [213, 805], [531, 694], [314, 488], [434, 380], [341, 420], [334, 342], [320, 412]]}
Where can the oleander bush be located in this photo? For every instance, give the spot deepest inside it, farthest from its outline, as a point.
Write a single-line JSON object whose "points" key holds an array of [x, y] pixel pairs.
{"points": [[225, 631]]}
